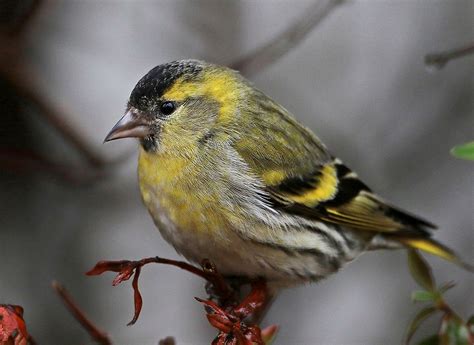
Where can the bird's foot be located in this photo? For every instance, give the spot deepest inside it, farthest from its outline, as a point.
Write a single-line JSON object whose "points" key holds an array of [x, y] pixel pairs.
{"points": [[217, 286]]}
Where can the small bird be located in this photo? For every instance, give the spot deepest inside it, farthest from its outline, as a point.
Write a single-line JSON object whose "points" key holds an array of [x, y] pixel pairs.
{"points": [[229, 175]]}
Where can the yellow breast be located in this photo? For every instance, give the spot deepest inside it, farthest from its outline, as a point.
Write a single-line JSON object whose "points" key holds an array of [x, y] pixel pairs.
{"points": [[174, 187]]}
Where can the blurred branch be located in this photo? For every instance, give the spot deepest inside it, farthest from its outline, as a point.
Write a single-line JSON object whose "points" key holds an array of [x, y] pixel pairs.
{"points": [[16, 72], [23, 21], [270, 52], [439, 59], [19, 76], [19, 161], [96, 334]]}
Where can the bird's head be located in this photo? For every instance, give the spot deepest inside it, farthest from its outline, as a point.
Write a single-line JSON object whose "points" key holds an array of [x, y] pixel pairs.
{"points": [[179, 104]]}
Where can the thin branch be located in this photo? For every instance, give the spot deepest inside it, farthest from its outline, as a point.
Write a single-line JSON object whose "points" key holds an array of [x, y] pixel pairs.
{"points": [[126, 269], [270, 52], [96, 334], [20, 78], [22, 23], [15, 71], [224, 313], [440, 59], [21, 161]]}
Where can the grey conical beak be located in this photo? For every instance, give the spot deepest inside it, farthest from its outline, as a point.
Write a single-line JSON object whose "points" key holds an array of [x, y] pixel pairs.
{"points": [[129, 126]]}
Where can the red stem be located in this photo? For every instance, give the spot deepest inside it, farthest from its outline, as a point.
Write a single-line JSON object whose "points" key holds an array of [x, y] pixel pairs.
{"points": [[98, 335]]}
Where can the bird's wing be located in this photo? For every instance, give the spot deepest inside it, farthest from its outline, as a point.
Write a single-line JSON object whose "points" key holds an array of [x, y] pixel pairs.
{"points": [[303, 178], [333, 193]]}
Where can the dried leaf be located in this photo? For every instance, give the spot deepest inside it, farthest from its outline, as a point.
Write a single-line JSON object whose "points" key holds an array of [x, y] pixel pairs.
{"points": [[417, 320], [254, 334], [464, 151], [108, 266], [126, 269], [253, 301], [232, 328], [221, 339], [12, 326], [240, 338], [137, 297], [124, 275], [220, 322], [420, 270], [211, 307]]}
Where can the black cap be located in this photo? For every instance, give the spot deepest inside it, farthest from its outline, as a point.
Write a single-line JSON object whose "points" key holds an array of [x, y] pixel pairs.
{"points": [[158, 80]]}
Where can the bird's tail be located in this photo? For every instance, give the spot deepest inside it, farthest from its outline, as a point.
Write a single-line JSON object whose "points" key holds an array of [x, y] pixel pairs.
{"points": [[433, 247]]}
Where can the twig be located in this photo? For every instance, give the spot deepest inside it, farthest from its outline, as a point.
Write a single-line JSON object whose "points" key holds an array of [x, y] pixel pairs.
{"points": [[440, 59], [15, 71], [20, 161], [22, 23], [96, 334], [227, 315], [126, 269], [20, 78], [267, 54]]}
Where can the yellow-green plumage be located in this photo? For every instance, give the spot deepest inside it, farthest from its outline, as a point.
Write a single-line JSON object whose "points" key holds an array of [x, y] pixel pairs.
{"points": [[231, 176]]}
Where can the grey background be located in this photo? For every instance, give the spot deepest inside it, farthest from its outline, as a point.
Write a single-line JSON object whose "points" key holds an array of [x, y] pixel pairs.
{"points": [[357, 80]]}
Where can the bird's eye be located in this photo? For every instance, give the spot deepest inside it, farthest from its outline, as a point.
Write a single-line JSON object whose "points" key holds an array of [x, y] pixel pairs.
{"points": [[167, 108]]}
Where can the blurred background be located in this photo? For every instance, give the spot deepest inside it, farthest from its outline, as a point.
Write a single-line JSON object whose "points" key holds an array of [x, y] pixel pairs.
{"points": [[357, 79]]}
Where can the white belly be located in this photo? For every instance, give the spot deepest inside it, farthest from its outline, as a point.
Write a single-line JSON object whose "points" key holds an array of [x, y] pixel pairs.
{"points": [[234, 256]]}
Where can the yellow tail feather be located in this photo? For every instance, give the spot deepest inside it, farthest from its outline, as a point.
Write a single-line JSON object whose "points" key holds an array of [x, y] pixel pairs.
{"points": [[430, 246]]}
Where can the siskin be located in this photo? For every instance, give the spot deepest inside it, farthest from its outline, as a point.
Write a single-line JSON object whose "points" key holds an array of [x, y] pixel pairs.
{"points": [[229, 175]]}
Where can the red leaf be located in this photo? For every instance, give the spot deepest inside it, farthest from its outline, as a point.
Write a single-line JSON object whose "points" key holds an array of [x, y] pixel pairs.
{"points": [[241, 339], [137, 297], [220, 339], [125, 274], [255, 300], [254, 334], [220, 322], [109, 266], [214, 307], [12, 325]]}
